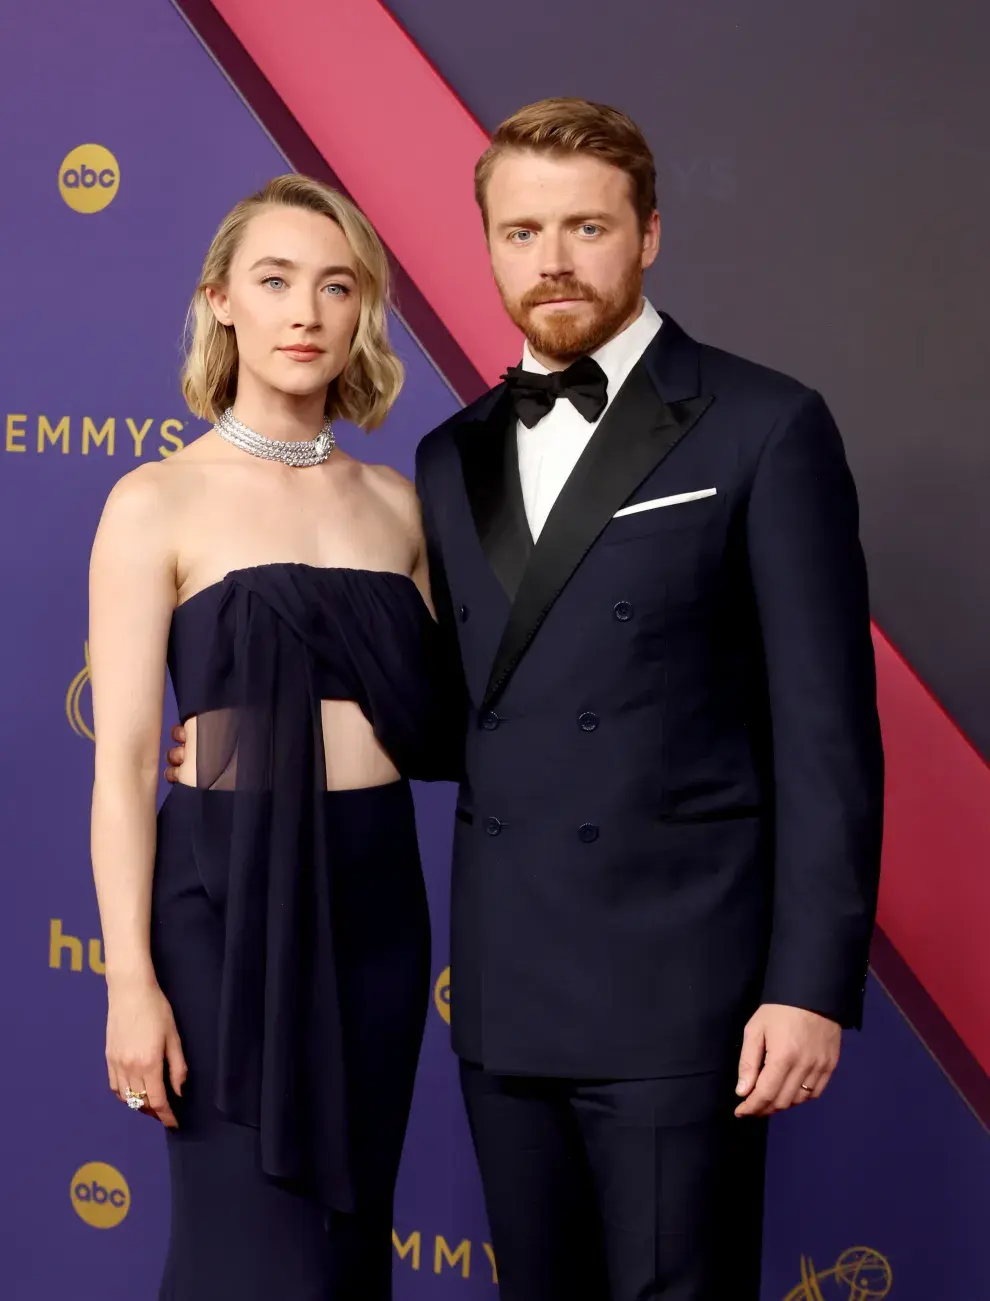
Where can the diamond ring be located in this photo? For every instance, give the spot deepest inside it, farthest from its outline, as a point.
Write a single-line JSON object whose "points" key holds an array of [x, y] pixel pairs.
{"points": [[135, 1100]]}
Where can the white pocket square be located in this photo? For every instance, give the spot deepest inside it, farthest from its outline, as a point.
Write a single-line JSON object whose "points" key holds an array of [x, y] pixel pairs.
{"points": [[665, 501]]}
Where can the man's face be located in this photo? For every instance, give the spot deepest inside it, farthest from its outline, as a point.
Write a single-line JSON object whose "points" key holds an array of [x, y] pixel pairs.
{"points": [[567, 250]]}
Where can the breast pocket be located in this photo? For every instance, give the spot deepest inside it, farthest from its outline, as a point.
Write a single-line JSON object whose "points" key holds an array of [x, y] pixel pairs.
{"points": [[668, 515]]}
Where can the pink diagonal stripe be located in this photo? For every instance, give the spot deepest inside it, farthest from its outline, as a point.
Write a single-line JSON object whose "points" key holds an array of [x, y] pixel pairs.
{"points": [[935, 892]]}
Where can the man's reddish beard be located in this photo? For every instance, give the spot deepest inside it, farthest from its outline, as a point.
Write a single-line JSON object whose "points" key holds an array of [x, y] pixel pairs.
{"points": [[561, 334]]}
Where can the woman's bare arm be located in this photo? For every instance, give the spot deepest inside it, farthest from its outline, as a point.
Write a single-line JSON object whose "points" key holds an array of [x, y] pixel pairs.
{"points": [[132, 595]]}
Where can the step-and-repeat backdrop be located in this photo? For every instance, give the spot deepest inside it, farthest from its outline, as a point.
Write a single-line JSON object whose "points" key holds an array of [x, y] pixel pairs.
{"points": [[123, 147]]}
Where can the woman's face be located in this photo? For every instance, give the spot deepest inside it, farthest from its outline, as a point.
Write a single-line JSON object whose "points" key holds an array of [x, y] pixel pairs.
{"points": [[293, 299]]}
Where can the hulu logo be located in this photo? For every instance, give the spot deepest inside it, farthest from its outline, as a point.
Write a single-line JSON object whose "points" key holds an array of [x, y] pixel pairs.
{"points": [[62, 946]]}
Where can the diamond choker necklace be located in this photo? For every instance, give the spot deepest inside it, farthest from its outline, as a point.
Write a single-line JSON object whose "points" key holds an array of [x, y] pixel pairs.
{"points": [[305, 453]]}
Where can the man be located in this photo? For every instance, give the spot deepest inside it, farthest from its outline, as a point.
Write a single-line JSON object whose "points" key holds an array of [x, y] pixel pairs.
{"points": [[668, 833], [645, 554]]}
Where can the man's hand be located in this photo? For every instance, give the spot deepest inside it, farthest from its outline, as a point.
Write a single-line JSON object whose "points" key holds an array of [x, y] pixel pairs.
{"points": [[177, 756], [788, 1057]]}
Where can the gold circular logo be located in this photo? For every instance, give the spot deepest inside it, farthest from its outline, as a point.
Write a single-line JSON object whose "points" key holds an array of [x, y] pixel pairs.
{"points": [[89, 178], [860, 1274], [100, 1195], [441, 994], [865, 1273], [73, 700]]}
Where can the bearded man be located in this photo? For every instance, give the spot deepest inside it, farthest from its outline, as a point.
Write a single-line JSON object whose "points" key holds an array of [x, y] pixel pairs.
{"points": [[644, 552]]}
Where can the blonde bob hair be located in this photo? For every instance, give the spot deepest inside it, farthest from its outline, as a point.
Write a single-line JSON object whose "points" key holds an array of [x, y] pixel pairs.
{"points": [[372, 377]]}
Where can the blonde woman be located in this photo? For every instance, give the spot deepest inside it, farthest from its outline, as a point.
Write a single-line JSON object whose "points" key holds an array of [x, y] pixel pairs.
{"points": [[267, 939]]}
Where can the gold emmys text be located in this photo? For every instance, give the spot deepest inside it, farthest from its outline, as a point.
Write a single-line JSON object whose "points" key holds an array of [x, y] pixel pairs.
{"points": [[66, 435], [444, 1256]]}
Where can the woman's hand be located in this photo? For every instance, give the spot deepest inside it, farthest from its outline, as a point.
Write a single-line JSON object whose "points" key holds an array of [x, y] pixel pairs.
{"points": [[177, 756], [141, 1035]]}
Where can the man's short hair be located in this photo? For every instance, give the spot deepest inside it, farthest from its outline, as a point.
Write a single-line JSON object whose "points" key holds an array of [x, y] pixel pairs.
{"points": [[575, 126]]}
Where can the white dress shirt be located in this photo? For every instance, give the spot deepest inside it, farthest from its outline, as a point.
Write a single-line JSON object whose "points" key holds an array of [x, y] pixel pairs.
{"points": [[550, 450]]}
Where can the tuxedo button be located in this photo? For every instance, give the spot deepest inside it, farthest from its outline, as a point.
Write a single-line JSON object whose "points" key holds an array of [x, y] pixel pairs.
{"points": [[493, 826], [490, 721], [588, 721], [464, 612], [623, 611], [588, 833]]}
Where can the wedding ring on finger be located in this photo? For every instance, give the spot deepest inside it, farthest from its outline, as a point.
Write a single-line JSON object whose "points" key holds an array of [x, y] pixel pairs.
{"points": [[135, 1099], [807, 1088]]}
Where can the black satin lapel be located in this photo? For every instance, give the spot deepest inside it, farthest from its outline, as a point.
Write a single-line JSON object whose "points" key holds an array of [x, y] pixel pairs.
{"points": [[637, 432], [490, 464]]}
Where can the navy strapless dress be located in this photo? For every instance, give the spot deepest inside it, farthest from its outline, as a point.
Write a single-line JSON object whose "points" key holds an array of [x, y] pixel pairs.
{"points": [[290, 931]]}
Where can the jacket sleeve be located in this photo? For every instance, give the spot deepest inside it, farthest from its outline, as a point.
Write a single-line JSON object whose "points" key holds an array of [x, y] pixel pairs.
{"points": [[451, 690], [809, 579]]}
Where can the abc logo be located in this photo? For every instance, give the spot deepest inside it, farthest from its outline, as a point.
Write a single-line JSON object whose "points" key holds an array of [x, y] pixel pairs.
{"points": [[88, 178], [100, 1195], [441, 994]]}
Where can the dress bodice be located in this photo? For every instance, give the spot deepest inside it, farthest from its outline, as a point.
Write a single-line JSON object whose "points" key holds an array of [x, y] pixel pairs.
{"points": [[251, 657], [358, 634]]}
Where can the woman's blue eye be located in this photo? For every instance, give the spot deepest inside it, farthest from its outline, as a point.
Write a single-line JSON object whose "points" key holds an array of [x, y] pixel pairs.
{"points": [[270, 280], [341, 290]]}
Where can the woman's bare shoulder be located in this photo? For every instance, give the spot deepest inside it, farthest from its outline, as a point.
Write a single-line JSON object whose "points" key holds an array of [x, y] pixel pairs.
{"points": [[141, 489], [155, 493], [172, 476], [394, 488]]}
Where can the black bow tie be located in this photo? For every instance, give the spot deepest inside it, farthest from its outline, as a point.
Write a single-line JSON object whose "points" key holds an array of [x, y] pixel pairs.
{"points": [[583, 383]]}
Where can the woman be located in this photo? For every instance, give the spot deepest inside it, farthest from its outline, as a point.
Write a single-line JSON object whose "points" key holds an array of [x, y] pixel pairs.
{"points": [[268, 938]]}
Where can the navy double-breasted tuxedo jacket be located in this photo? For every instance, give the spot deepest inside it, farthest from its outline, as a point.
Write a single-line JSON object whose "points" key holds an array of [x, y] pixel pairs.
{"points": [[671, 797]]}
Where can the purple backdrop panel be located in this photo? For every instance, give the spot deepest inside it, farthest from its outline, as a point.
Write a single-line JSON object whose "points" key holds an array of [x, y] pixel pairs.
{"points": [[890, 1163]]}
